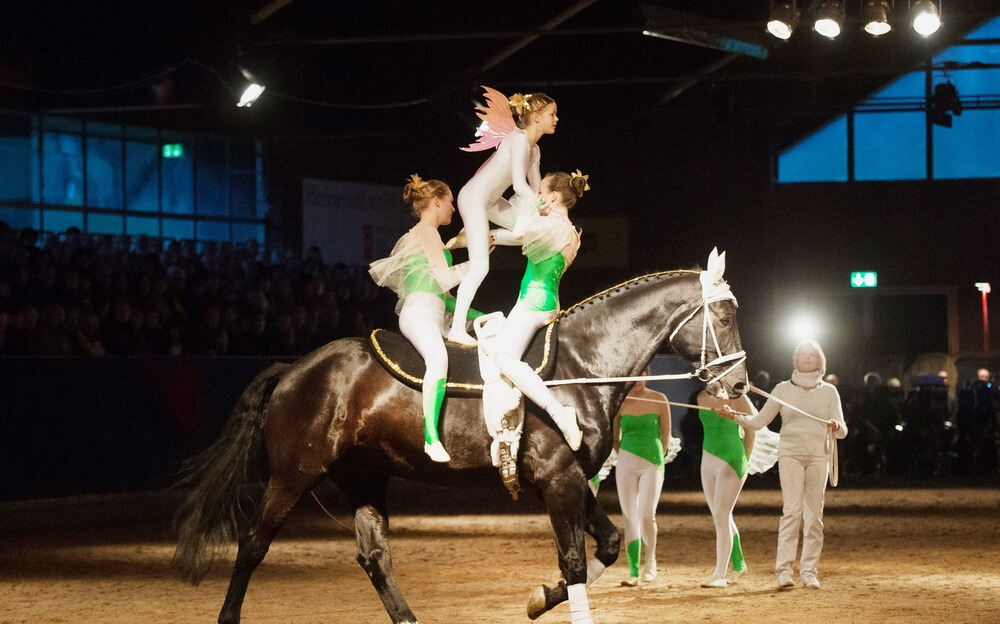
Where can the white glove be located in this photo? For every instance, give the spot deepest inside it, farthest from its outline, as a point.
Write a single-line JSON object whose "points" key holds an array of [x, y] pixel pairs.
{"points": [[673, 447]]}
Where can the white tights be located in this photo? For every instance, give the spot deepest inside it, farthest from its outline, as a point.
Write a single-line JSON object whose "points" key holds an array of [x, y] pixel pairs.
{"points": [[420, 320], [476, 220], [722, 487], [639, 484], [518, 329]]}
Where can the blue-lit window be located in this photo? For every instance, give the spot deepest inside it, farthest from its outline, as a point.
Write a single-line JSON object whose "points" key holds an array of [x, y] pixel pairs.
{"points": [[178, 228], [244, 232], [142, 175], [104, 172], [213, 230], [105, 224], [970, 148], [150, 226], [890, 146], [822, 157], [178, 184], [989, 30], [18, 218], [15, 157], [890, 138], [242, 195], [62, 220], [62, 169], [62, 172], [210, 159]]}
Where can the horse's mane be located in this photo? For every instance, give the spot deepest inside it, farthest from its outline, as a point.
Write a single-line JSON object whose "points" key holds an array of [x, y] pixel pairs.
{"points": [[617, 287]]}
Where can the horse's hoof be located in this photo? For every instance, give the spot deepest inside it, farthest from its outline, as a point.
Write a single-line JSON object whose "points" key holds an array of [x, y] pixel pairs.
{"points": [[536, 602]]}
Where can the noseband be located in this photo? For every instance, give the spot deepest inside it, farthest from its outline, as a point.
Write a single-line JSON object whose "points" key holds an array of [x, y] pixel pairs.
{"points": [[704, 372]]}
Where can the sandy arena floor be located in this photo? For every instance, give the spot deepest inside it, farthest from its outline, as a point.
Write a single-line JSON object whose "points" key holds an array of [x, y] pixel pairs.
{"points": [[899, 555]]}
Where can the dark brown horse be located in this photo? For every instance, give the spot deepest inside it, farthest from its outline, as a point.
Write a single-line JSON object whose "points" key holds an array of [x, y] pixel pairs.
{"points": [[336, 413]]}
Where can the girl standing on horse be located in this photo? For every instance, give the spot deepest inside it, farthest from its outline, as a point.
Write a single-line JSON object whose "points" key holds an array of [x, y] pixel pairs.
{"points": [[420, 271], [550, 242], [515, 163]]}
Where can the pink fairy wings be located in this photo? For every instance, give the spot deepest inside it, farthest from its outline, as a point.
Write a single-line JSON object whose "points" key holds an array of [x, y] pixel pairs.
{"points": [[497, 121]]}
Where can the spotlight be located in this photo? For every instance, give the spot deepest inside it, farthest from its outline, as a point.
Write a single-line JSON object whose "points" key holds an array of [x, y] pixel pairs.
{"points": [[926, 17], [804, 326], [784, 18], [944, 101], [251, 91], [829, 18], [876, 17]]}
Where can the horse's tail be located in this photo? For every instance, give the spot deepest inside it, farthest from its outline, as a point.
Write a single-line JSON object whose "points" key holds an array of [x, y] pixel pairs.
{"points": [[207, 520]]}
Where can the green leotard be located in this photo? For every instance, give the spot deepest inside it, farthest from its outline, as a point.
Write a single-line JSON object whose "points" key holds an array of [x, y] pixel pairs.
{"points": [[420, 278], [540, 284], [641, 436], [722, 439]]}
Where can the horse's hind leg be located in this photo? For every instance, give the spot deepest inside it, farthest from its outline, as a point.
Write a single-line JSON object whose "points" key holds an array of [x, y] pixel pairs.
{"points": [[367, 492], [543, 598], [276, 503]]}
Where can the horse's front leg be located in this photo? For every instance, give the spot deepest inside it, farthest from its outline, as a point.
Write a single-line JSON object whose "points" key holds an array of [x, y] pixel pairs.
{"points": [[544, 598], [566, 497]]}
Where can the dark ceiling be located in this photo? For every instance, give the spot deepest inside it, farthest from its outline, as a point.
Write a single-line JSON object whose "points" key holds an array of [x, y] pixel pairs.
{"points": [[381, 68]]}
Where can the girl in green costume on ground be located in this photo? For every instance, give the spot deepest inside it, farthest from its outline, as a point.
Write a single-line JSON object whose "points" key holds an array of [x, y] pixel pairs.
{"points": [[640, 430], [723, 472], [419, 271]]}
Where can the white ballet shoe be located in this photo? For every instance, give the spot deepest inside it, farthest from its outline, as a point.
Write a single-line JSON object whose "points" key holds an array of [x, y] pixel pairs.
{"points": [[649, 572], [570, 429], [461, 337], [785, 580], [716, 583], [437, 453], [630, 581]]}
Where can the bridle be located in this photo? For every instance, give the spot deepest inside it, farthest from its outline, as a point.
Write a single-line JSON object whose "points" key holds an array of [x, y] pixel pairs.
{"points": [[704, 371]]}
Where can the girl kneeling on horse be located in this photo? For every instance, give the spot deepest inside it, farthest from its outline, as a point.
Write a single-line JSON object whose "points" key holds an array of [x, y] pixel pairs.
{"points": [[550, 242]]}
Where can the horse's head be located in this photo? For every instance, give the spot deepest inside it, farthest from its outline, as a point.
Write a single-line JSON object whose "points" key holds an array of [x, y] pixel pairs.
{"points": [[706, 333]]}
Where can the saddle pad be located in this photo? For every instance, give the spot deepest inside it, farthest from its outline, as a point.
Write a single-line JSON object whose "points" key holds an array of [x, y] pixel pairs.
{"points": [[398, 356]]}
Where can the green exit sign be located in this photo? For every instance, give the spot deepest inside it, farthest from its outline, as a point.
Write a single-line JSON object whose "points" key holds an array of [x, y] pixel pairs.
{"points": [[864, 279], [173, 150]]}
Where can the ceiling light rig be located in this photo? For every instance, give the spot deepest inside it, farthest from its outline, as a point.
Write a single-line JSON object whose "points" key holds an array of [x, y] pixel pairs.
{"points": [[876, 16]]}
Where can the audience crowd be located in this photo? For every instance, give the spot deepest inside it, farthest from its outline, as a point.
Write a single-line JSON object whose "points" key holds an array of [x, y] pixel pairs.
{"points": [[76, 294]]}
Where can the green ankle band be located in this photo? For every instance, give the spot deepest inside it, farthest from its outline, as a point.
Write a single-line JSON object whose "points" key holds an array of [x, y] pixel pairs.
{"points": [[634, 549]]}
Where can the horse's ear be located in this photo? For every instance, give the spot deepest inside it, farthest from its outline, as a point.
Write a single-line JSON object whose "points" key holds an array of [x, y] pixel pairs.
{"points": [[716, 264]]}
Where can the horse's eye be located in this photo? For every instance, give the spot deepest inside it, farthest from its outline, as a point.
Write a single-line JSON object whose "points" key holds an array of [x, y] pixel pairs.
{"points": [[726, 322]]}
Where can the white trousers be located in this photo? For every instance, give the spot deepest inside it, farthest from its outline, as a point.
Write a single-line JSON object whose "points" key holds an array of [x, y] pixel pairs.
{"points": [[722, 487], [803, 483], [639, 484], [520, 326], [420, 320]]}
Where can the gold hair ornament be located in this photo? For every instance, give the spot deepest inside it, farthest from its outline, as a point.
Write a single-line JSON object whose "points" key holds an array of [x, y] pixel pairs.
{"points": [[520, 103], [579, 174]]}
